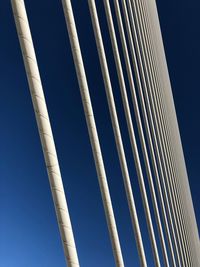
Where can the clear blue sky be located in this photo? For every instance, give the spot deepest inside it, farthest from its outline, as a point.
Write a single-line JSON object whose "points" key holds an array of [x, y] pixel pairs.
{"points": [[29, 235]]}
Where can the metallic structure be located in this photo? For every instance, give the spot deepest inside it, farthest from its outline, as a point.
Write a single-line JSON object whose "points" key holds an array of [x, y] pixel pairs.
{"points": [[45, 132], [148, 81]]}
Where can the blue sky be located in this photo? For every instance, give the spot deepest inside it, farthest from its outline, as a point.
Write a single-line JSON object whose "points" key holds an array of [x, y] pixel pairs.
{"points": [[29, 235]]}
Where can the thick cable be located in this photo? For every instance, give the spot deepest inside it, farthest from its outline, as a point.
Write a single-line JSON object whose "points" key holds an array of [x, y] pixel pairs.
{"points": [[45, 132]]}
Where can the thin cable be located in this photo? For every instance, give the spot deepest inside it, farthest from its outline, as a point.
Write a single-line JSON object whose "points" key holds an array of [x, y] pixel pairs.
{"points": [[143, 65], [147, 63], [192, 218], [171, 223], [163, 128], [139, 124], [184, 164], [133, 56], [122, 35], [145, 16], [116, 128], [184, 225], [80, 71], [167, 82]]}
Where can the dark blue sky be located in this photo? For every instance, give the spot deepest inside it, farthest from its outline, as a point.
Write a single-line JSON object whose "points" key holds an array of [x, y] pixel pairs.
{"points": [[28, 229]]}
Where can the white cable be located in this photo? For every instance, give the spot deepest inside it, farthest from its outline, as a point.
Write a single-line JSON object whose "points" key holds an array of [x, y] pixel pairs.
{"points": [[138, 119], [115, 125], [145, 17], [80, 71], [143, 66], [45, 132], [134, 58], [150, 146], [169, 91], [183, 224], [191, 218], [159, 104], [149, 78], [147, 54], [191, 242], [171, 223], [138, 169]]}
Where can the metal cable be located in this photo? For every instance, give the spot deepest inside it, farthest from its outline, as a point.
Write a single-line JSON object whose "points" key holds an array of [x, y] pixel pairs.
{"points": [[181, 155], [147, 89], [143, 45], [167, 82], [139, 124], [151, 68], [191, 218], [163, 128], [116, 128], [45, 132], [80, 71], [156, 175], [183, 224], [174, 239]]}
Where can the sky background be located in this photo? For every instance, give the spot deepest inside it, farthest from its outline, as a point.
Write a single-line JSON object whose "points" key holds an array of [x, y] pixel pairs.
{"points": [[29, 235]]}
